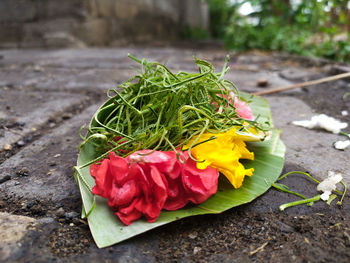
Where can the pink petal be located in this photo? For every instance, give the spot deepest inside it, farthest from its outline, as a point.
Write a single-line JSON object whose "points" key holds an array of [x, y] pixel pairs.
{"points": [[243, 110]]}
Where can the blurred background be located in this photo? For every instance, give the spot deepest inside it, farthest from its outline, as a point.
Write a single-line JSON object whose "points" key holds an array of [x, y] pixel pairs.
{"points": [[318, 28], [305, 27]]}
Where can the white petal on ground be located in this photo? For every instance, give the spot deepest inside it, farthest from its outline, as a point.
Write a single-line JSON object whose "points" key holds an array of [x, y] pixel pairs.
{"points": [[341, 145], [344, 113], [306, 124], [322, 121], [325, 195], [329, 184]]}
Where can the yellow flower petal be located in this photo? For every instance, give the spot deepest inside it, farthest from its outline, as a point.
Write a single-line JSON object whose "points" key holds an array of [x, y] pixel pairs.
{"points": [[246, 154], [236, 176], [223, 153], [203, 165], [252, 135]]}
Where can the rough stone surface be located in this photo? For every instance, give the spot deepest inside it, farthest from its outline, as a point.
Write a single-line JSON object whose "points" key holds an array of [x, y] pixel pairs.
{"points": [[311, 149], [42, 172], [12, 230], [26, 112], [57, 91], [247, 81]]}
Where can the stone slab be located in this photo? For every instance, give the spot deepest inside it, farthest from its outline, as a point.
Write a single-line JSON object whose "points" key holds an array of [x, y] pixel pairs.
{"points": [[39, 178], [14, 75], [93, 80], [92, 58], [312, 150], [12, 229], [247, 80], [48, 168], [29, 111]]}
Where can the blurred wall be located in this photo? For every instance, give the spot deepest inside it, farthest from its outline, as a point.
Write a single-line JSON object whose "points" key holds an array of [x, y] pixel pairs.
{"points": [[79, 23]]}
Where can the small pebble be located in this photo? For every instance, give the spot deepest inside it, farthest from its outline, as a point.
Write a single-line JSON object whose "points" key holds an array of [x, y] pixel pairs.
{"points": [[60, 212], [52, 124], [46, 220], [193, 235], [30, 204], [71, 215], [51, 171], [7, 147], [76, 221], [344, 113], [66, 116], [23, 172], [196, 250], [52, 164], [38, 68], [20, 123], [284, 227], [20, 143], [262, 82]]}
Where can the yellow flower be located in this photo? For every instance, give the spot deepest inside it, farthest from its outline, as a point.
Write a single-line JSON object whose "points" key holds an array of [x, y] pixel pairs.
{"points": [[223, 153]]}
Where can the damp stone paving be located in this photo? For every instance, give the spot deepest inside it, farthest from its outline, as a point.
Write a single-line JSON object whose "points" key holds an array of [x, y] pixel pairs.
{"points": [[47, 95]]}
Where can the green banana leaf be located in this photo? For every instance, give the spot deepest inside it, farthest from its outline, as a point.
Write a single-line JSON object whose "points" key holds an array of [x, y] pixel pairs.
{"points": [[106, 228]]}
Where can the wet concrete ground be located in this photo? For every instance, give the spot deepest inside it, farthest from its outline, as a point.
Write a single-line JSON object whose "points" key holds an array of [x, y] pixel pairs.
{"points": [[45, 96]]}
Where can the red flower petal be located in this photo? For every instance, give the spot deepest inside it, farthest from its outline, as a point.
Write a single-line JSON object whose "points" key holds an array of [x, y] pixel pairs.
{"points": [[177, 196], [138, 173], [176, 171], [144, 185], [126, 193], [129, 214], [159, 194], [199, 184], [164, 161], [119, 168], [101, 174]]}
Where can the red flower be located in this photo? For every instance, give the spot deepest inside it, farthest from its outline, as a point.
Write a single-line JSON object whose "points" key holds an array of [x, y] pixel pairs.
{"points": [[190, 184], [145, 184]]}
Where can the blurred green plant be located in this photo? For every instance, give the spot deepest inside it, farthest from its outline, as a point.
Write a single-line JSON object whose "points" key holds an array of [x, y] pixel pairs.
{"points": [[193, 33], [305, 27]]}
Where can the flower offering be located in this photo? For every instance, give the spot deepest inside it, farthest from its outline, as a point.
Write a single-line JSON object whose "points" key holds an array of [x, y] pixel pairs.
{"points": [[169, 145]]}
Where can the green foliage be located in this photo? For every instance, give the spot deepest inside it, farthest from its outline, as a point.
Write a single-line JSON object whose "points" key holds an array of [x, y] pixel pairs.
{"points": [[309, 28], [193, 33], [220, 13], [158, 109]]}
